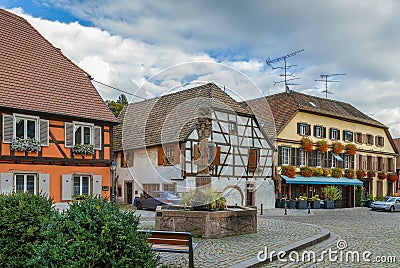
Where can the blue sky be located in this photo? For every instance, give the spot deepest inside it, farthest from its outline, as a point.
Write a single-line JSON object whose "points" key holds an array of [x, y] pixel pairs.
{"points": [[152, 47]]}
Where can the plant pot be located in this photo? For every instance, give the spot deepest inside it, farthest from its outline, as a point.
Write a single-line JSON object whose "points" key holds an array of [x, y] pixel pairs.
{"points": [[329, 204], [291, 204], [315, 204], [301, 204], [280, 203]]}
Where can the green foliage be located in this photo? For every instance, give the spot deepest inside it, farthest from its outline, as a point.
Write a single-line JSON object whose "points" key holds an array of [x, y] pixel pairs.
{"points": [[23, 216], [315, 197], [337, 173], [332, 192], [327, 172], [122, 99], [198, 198], [349, 173], [318, 171], [117, 106], [83, 149], [94, 233]]}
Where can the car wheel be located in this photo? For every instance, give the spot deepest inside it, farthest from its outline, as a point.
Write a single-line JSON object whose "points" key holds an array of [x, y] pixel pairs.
{"points": [[392, 209], [139, 205]]}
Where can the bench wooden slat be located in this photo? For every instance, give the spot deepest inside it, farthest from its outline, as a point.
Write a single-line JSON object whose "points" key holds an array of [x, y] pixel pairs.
{"points": [[152, 240]]}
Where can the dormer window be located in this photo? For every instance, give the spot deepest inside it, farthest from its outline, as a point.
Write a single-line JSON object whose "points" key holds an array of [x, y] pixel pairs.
{"points": [[303, 129]]}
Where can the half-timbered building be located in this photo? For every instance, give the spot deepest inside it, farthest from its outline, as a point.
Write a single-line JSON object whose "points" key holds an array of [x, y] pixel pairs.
{"points": [[158, 147], [55, 128]]}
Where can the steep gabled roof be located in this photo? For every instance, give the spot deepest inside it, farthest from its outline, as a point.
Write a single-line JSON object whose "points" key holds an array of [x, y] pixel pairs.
{"points": [[285, 105], [170, 118], [35, 76]]}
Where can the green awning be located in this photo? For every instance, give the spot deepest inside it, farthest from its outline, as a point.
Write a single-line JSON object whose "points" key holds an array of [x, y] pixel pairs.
{"points": [[322, 180]]}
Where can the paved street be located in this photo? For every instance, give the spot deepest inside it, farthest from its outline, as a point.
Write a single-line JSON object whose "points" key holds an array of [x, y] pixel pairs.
{"points": [[361, 229]]}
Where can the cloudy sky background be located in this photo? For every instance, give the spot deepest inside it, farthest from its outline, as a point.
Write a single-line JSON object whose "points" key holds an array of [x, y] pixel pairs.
{"points": [[152, 47]]}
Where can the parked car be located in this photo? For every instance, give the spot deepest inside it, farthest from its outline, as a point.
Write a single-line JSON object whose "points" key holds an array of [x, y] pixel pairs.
{"points": [[391, 204], [156, 198]]}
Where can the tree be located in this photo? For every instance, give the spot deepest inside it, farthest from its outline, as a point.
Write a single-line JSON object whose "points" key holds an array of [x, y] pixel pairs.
{"points": [[117, 106]]}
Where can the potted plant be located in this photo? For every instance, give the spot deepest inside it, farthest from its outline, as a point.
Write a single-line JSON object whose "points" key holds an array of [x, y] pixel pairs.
{"points": [[318, 171], [327, 172], [382, 175], [25, 145], [351, 149], [392, 177], [349, 173], [301, 202], [83, 149], [306, 172], [307, 144], [331, 193], [370, 199], [323, 146], [289, 171], [361, 174], [337, 147], [315, 202], [337, 173], [371, 174]]}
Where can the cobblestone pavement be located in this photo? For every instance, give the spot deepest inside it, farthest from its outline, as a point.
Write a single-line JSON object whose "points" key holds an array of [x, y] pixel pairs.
{"points": [[357, 229], [224, 252]]}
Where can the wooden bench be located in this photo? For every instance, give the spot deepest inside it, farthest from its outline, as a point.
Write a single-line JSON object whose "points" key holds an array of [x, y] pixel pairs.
{"points": [[176, 242]]}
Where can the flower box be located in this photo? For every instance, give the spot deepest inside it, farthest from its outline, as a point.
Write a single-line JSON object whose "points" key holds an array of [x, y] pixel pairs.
{"points": [[25, 145], [307, 144], [83, 149]]}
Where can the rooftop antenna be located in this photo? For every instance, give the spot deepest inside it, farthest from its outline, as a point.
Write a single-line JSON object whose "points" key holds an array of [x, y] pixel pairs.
{"points": [[287, 76], [324, 78]]}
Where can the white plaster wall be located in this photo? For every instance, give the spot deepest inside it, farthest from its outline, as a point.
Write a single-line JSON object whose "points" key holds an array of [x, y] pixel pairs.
{"points": [[265, 193]]}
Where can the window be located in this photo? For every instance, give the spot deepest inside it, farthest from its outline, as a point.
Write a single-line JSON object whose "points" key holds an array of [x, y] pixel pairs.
{"points": [[25, 183], [333, 160], [334, 134], [83, 134], [303, 129], [302, 157], [169, 187], [318, 159], [285, 156], [379, 141], [369, 139], [26, 127], [169, 154], [347, 135], [390, 164], [81, 185], [232, 127], [254, 155], [150, 187], [359, 137], [369, 163], [319, 131], [380, 163], [347, 161]]}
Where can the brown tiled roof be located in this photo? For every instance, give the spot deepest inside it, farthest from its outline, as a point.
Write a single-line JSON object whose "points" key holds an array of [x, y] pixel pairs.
{"points": [[170, 118], [285, 105], [36, 76]]}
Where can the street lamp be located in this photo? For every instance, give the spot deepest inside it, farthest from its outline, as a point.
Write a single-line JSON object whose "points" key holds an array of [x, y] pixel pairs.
{"points": [[113, 167]]}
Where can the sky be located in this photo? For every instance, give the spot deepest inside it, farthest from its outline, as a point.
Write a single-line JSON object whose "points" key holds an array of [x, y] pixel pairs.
{"points": [[149, 48]]}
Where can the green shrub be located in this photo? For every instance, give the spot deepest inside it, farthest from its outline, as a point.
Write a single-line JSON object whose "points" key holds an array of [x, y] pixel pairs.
{"points": [[206, 197], [23, 216], [95, 233], [332, 192]]}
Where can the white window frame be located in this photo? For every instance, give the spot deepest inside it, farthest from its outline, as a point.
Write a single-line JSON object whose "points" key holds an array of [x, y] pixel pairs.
{"points": [[82, 125], [25, 175], [25, 118], [318, 159], [333, 161], [80, 184], [285, 156], [302, 157], [303, 129], [334, 133], [318, 131], [347, 161], [348, 133]]}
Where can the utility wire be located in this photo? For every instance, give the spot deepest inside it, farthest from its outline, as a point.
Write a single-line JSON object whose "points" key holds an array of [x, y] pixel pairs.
{"points": [[126, 92]]}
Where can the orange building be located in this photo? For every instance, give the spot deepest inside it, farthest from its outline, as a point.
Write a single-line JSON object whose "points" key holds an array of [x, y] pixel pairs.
{"points": [[55, 128]]}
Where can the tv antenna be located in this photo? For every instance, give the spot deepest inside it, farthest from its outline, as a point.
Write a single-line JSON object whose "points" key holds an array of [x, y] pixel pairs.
{"points": [[287, 76], [324, 78]]}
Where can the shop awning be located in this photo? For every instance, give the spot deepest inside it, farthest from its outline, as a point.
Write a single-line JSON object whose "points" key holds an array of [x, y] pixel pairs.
{"points": [[322, 180]]}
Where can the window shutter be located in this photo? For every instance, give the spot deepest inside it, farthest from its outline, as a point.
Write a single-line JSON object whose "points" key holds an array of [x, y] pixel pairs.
{"points": [[376, 140], [315, 131], [44, 132], [97, 138], [177, 154], [308, 130], [160, 156], [344, 135], [293, 156], [324, 132], [6, 183], [352, 161], [8, 125], [196, 152], [280, 156], [69, 136], [310, 158], [217, 158], [298, 128], [44, 184], [330, 133], [97, 185], [66, 187], [297, 156], [338, 132], [252, 162], [326, 159]]}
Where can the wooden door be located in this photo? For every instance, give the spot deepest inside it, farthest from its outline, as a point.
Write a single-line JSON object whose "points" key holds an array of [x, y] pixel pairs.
{"points": [[129, 192]]}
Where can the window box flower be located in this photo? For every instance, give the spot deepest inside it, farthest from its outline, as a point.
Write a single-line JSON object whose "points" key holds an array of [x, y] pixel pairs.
{"points": [[323, 146], [337, 148], [306, 172], [83, 149], [337, 173], [371, 174], [327, 172], [25, 145], [351, 149], [349, 173], [393, 177], [307, 144], [289, 171], [361, 174], [382, 175]]}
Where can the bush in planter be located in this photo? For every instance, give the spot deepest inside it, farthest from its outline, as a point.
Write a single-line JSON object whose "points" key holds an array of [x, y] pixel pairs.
{"points": [[371, 174], [349, 173], [382, 175], [337, 147], [94, 233], [318, 171], [361, 174], [327, 172], [392, 177], [351, 149], [289, 171], [332, 193], [23, 216], [307, 144], [323, 146], [306, 171], [337, 173]]}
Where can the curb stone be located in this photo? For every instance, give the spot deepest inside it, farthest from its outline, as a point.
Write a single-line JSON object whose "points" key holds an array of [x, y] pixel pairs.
{"points": [[297, 246]]}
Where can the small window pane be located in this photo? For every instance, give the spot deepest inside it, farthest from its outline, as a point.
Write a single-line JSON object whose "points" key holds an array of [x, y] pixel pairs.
{"points": [[85, 185], [78, 135], [31, 129], [30, 183], [20, 127], [86, 135], [19, 183]]}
